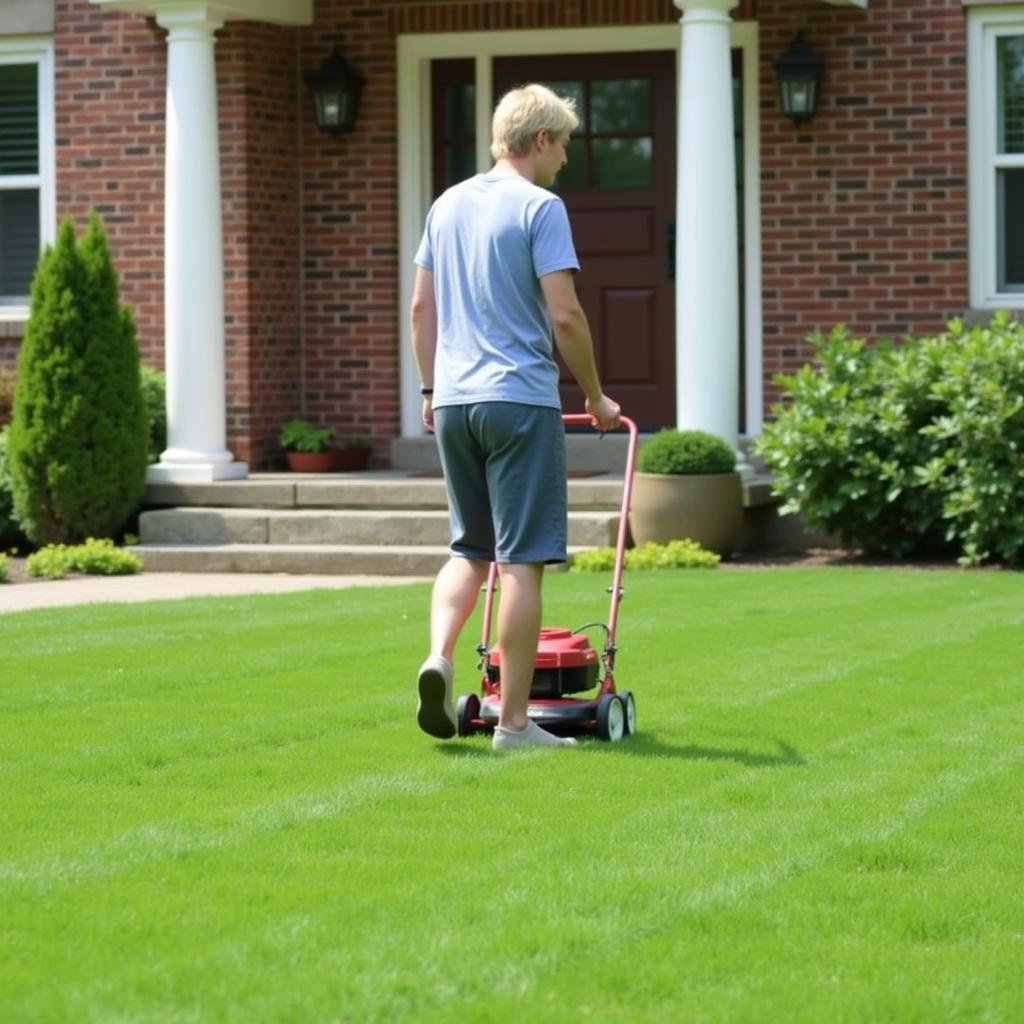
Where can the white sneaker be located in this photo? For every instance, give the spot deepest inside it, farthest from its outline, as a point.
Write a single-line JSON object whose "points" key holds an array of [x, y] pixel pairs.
{"points": [[532, 736], [435, 713]]}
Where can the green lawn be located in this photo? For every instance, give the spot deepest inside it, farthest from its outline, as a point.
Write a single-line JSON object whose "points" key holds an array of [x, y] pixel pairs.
{"points": [[221, 810]]}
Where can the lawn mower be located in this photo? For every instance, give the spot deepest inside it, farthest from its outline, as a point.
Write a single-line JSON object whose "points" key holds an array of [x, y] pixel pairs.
{"points": [[567, 664]]}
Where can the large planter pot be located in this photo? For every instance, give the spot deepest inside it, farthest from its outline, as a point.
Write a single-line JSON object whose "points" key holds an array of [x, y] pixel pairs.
{"points": [[707, 509], [328, 462]]}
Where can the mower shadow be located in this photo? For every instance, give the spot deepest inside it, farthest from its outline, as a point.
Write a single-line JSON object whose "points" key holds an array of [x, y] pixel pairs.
{"points": [[647, 745]]}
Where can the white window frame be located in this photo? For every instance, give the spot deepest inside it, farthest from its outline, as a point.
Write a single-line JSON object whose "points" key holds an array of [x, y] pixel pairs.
{"points": [[985, 26], [415, 52], [36, 50]]}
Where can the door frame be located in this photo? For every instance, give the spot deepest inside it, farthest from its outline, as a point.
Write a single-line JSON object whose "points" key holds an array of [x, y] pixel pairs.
{"points": [[414, 54]]}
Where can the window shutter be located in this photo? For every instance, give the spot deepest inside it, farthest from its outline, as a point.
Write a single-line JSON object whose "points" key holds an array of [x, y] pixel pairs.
{"points": [[19, 119]]}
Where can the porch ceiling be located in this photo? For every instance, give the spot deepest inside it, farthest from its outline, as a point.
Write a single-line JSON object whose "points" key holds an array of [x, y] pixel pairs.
{"points": [[278, 12]]}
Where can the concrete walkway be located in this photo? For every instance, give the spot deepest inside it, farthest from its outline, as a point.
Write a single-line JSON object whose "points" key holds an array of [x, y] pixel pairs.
{"points": [[163, 586]]}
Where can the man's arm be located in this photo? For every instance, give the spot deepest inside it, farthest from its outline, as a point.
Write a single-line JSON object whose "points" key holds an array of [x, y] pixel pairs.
{"points": [[572, 336], [424, 336]]}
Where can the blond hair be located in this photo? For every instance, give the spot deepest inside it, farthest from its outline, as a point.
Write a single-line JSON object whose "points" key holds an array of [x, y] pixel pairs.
{"points": [[521, 113]]}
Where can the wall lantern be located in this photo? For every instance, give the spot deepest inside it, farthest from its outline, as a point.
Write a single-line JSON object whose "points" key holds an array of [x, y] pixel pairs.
{"points": [[799, 71], [336, 87]]}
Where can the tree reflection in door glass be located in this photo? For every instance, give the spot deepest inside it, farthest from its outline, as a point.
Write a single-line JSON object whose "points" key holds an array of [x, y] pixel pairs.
{"points": [[620, 105], [621, 163]]}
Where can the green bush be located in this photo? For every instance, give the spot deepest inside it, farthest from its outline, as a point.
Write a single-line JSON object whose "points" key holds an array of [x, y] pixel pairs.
{"points": [[685, 452], [908, 450], [3, 567], [676, 554], [78, 442], [154, 397], [11, 535], [95, 557]]}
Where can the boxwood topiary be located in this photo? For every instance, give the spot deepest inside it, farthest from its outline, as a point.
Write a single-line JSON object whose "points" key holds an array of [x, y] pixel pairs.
{"points": [[78, 441], [686, 452], [11, 535]]}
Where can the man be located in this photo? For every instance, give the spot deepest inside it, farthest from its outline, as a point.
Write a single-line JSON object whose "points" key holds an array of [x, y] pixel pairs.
{"points": [[493, 282]]}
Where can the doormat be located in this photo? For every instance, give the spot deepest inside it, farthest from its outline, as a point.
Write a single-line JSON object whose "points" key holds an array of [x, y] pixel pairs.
{"points": [[573, 474]]}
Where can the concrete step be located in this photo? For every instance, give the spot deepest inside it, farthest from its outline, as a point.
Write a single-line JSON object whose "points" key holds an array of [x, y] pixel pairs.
{"points": [[398, 527], [299, 559], [378, 489]]}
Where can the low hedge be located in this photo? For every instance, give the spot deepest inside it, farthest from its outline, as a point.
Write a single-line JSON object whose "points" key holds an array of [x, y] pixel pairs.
{"points": [[907, 450]]}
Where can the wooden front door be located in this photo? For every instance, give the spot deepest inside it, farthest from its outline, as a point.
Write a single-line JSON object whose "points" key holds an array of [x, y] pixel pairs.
{"points": [[619, 190]]}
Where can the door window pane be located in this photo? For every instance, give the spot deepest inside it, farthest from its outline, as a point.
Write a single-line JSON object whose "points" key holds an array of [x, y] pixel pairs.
{"points": [[1011, 230], [19, 119], [620, 105], [1010, 61], [460, 110], [459, 162], [19, 242], [621, 163]]}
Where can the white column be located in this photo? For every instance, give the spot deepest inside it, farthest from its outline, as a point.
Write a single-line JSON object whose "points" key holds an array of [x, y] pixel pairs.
{"points": [[193, 258], [707, 255]]}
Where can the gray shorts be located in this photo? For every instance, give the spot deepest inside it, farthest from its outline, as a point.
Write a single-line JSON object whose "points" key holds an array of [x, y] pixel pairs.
{"points": [[504, 469]]}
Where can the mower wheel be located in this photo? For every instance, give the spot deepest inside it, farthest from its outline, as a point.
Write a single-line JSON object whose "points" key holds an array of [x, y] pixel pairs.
{"points": [[611, 718], [466, 711], [629, 703]]}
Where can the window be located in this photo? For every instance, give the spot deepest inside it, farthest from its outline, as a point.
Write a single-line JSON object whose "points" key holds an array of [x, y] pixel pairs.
{"points": [[26, 166], [996, 125]]}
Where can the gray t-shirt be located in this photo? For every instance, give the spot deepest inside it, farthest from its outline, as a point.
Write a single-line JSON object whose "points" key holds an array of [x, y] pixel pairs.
{"points": [[488, 241]]}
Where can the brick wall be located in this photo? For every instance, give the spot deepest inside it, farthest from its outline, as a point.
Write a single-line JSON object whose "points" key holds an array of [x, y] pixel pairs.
{"points": [[864, 208]]}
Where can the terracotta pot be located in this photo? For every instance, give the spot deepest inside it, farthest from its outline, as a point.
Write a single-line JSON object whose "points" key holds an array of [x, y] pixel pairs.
{"points": [[310, 462], [707, 509]]}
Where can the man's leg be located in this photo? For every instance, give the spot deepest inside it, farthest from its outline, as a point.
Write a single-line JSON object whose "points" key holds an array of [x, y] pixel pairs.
{"points": [[518, 630], [456, 590], [454, 597]]}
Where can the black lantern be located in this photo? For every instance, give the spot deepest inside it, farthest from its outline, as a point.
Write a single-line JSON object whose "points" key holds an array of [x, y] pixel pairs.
{"points": [[336, 87], [799, 71]]}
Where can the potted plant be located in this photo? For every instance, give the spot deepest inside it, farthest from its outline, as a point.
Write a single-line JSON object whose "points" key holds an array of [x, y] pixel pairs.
{"points": [[687, 486], [308, 448]]}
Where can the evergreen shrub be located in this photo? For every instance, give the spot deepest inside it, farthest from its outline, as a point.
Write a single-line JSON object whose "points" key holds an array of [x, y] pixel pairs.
{"points": [[3, 567], [908, 450], [685, 452], [78, 441]]}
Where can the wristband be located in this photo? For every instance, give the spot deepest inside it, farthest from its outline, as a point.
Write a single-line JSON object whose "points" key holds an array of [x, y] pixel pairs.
{"points": [[426, 392]]}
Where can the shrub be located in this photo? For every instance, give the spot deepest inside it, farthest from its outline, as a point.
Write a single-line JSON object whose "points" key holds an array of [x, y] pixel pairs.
{"points": [[11, 535], [689, 452], [78, 439], [908, 450], [676, 554], [154, 397], [95, 557], [3, 567]]}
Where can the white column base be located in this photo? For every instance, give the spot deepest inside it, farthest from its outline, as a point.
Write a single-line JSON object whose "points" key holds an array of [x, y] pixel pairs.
{"points": [[195, 472]]}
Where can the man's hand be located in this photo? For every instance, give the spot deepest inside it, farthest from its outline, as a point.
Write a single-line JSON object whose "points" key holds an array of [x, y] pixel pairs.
{"points": [[605, 412], [428, 413]]}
